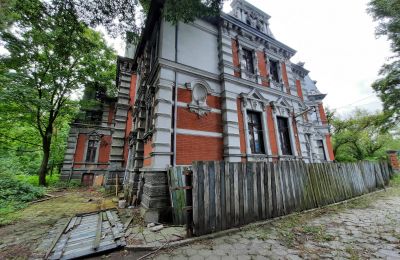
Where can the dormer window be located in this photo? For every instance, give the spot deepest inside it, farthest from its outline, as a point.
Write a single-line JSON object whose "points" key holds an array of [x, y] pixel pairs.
{"points": [[248, 61], [274, 70]]}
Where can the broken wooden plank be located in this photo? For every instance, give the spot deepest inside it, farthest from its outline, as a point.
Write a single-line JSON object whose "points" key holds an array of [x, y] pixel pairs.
{"points": [[98, 232], [56, 239]]}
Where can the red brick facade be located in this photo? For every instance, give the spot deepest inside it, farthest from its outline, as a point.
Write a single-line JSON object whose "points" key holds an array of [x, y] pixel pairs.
{"points": [[285, 77], [241, 128], [198, 148], [322, 114], [80, 149], [147, 152], [104, 151], [329, 146], [299, 90], [235, 58], [394, 160], [271, 132], [262, 67]]}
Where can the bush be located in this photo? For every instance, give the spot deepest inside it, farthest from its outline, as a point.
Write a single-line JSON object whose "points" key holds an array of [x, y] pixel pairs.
{"points": [[14, 192], [34, 179]]}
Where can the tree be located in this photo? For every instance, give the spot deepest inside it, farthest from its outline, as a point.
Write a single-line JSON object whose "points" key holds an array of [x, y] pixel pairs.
{"points": [[387, 13], [118, 17], [51, 56], [361, 136]]}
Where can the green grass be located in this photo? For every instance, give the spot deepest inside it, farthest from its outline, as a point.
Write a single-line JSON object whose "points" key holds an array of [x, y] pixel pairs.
{"points": [[395, 181], [52, 180]]}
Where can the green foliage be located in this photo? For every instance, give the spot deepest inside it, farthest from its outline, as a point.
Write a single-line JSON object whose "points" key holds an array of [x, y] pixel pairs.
{"points": [[14, 194], [387, 13], [13, 190], [362, 136], [187, 11], [51, 57]]}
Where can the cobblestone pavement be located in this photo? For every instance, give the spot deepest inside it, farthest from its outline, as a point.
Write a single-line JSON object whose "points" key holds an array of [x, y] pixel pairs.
{"points": [[363, 229]]}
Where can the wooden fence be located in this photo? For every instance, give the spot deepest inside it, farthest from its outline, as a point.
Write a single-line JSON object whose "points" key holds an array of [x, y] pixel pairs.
{"points": [[227, 195]]}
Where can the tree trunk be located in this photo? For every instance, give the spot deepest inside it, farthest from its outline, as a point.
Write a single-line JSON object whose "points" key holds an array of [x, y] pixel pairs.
{"points": [[46, 142]]}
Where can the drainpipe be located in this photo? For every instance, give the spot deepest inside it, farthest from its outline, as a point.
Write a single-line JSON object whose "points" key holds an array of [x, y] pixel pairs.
{"points": [[175, 98]]}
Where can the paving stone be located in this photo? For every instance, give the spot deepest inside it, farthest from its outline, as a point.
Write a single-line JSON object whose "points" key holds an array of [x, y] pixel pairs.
{"points": [[367, 233]]}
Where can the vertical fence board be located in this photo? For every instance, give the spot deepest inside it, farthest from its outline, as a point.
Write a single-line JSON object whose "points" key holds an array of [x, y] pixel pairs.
{"points": [[269, 204], [218, 195], [263, 193], [212, 199], [228, 186], [226, 194]]}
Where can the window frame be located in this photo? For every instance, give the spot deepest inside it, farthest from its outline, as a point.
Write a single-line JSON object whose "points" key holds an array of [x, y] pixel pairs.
{"points": [[286, 142], [278, 71], [321, 145], [251, 114], [92, 138], [248, 63]]}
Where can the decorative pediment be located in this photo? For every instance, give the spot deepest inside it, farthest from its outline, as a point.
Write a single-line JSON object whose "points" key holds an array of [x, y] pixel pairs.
{"points": [[254, 100], [282, 102]]}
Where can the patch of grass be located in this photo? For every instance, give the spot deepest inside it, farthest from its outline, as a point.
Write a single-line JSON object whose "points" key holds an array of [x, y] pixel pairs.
{"points": [[14, 195], [353, 254], [395, 181]]}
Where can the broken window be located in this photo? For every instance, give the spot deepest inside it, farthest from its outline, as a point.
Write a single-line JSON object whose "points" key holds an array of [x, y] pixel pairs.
{"points": [[255, 132], [92, 148], [284, 135], [274, 70], [248, 61], [321, 150]]}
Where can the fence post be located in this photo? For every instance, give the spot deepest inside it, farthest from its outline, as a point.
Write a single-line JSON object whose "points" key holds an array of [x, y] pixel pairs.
{"points": [[189, 203]]}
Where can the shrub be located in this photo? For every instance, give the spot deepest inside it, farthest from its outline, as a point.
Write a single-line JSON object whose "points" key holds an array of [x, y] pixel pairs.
{"points": [[14, 191]]}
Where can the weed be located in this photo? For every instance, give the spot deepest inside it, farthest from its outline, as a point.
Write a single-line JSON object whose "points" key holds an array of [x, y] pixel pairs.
{"points": [[353, 254]]}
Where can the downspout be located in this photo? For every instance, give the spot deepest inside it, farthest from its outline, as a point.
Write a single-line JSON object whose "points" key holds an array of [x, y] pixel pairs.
{"points": [[175, 98]]}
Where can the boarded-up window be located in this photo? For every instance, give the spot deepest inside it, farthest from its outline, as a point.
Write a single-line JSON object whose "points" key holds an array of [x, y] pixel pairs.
{"points": [[284, 135], [255, 132]]}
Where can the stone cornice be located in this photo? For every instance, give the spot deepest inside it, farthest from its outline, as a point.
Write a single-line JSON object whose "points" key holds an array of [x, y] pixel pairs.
{"points": [[231, 22]]}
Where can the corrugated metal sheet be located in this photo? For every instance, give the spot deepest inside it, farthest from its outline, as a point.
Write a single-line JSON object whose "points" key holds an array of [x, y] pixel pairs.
{"points": [[88, 234]]}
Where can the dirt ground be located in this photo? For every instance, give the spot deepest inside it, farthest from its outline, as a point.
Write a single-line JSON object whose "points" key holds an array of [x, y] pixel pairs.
{"points": [[19, 239]]}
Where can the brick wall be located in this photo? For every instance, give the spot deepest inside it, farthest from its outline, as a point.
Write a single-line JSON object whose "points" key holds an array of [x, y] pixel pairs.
{"points": [[394, 160], [212, 122], [329, 146], [80, 149], [147, 149], [241, 128], [262, 67], [299, 89], [322, 114], [185, 95], [271, 132], [235, 58], [198, 148], [104, 151]]}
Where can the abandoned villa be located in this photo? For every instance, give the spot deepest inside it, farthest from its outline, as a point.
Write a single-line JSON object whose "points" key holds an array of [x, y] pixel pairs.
{"points": [[217, 89]]}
